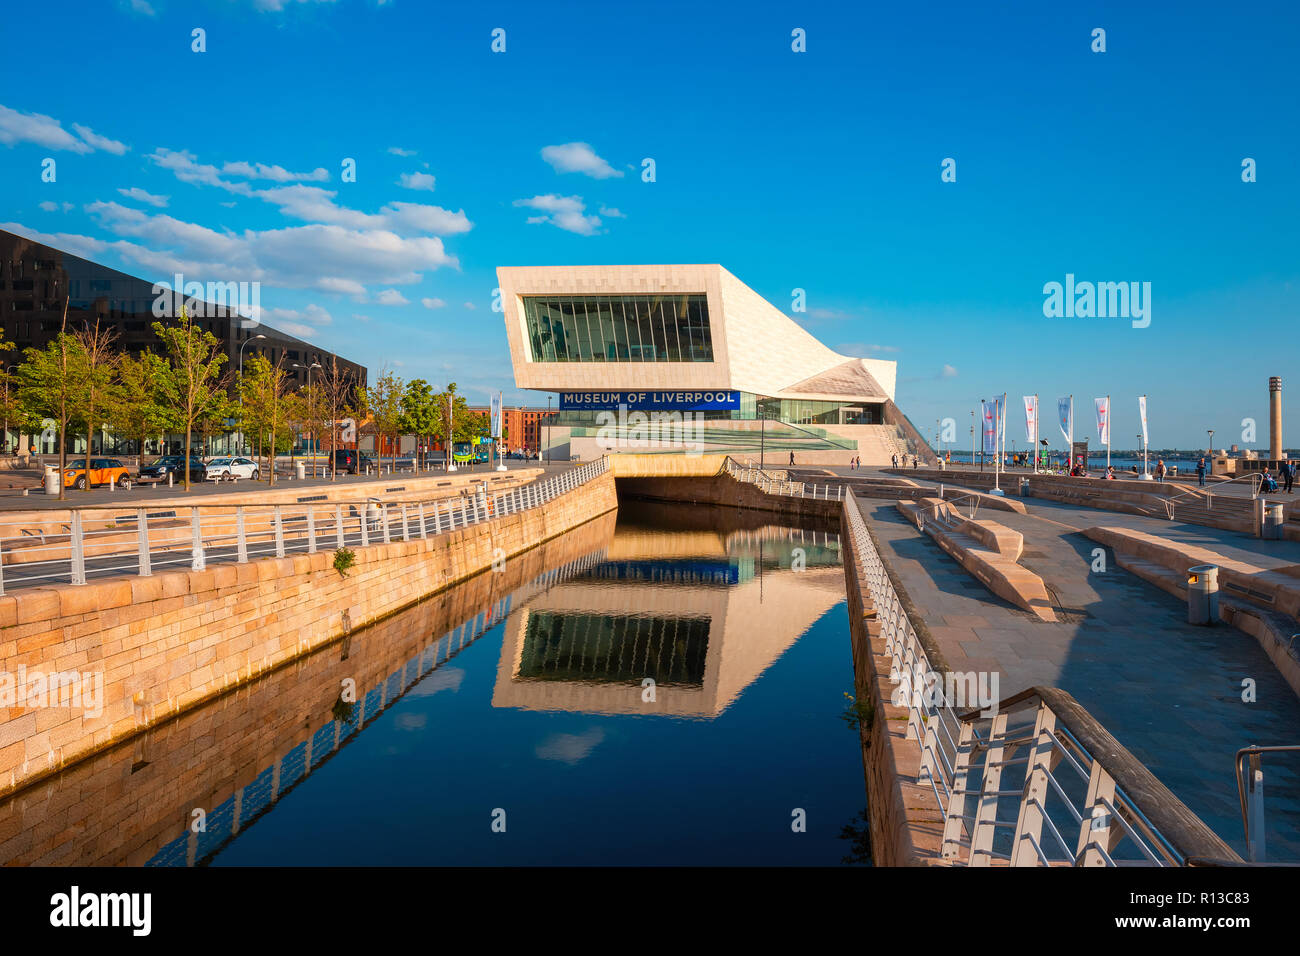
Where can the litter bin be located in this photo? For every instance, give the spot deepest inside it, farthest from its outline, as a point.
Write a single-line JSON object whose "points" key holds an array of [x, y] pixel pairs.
{"points": [[51, 480], [300, 470], [1272, 530], [1203, 594]]}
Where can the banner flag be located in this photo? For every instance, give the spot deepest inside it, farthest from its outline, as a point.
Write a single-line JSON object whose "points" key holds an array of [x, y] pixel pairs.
{"points": [[989, 430], [1031, 418], [1103, 420], [1065, 406], [1142, 410], [496, 416]]}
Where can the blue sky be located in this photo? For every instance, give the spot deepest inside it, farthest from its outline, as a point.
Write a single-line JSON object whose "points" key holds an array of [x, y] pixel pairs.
{"points": [[816, 170]]}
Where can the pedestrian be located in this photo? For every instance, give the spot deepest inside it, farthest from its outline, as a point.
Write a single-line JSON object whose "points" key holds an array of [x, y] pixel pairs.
{"points": [[1160, 469], [791, 459], [1200, 472], [915, 461], [1288, 474]]}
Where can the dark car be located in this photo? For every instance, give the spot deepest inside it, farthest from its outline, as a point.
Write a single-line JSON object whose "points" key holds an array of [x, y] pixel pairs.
{"points": [[174, 465], [346, 461]]}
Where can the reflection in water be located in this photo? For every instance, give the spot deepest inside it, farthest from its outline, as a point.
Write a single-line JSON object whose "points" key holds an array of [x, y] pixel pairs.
{"points": [[522, 691]]}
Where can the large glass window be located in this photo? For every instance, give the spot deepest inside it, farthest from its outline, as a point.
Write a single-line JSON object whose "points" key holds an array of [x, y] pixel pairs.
{"points": [[630, 328]]}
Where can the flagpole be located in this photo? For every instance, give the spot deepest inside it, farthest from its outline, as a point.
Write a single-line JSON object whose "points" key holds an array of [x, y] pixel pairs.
{"points": [[1037, 413], [1108, 431]]}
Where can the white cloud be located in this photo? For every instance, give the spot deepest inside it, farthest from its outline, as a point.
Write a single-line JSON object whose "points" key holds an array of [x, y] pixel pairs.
{"points": [[398, 151], [142, 6], [471, 306], [578, 158], [432, 303], [16, 127], [313, 204], [424, 181], [612, 212], [392, 297], [566, 212], [50, 206], [139, 195], [948, 372], [274, 173], [318, 256], [95, 141]]}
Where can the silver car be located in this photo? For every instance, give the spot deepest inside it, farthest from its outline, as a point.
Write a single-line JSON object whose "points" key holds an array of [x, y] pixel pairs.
{"points": [[231, 469]]}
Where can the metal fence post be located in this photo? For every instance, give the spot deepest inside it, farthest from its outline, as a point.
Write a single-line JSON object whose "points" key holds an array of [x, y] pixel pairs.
{"points": [[364, 520], [311, 530], [78, 550], [2, 571], [384, 518], [197, 559], [424, 530], [406, 527], [338, 526], [279, 533], [142, 534], [241, 538]]}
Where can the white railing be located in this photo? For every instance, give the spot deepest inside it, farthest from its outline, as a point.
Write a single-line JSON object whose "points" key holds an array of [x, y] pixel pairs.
{"points": [[103, 541], [779, 483], [1012, 782]]}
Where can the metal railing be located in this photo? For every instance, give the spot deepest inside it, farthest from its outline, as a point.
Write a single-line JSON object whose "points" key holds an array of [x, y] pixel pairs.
{"points": [[1068, 799], [103, 541], [930, 720], [780, 483], [1011, 782], [1249, 767], [1170, 502]]}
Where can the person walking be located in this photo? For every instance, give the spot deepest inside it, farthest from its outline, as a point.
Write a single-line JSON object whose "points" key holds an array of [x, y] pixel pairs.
{"points": [[791, 459], [1160, 470], [1200, 472], [1288, 475]]}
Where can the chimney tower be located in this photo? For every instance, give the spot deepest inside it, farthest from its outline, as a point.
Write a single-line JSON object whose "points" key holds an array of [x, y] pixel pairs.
{"points": [[1275, 418]]}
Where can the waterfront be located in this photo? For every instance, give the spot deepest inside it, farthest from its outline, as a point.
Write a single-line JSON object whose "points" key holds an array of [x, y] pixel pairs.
{"points": [[526, 700]]}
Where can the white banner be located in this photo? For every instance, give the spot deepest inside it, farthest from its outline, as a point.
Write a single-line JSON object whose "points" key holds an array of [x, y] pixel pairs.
{"points": [[1103, 420], [496, 416], [1065, 408], [1031, 419], [989, 430], [1142, 411]]}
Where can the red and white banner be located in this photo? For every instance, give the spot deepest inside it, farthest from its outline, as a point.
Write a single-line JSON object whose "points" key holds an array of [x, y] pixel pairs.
{"points": [[1031, 419], [1142, 411], [1103, 420]]}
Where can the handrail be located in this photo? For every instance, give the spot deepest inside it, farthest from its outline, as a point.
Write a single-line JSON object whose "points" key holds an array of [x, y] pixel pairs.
{"points": [[1256, 479], [1120, 789], [135, 539], [1251, 795]]}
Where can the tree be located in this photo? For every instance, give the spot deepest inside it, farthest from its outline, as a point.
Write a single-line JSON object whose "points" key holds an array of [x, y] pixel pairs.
{"points": [[421, 415], [336, 393], [309, 410], [9, 405], [100, 360], [263, 389], [383, 405], [192, 380], [51, 383], [136, 410]]}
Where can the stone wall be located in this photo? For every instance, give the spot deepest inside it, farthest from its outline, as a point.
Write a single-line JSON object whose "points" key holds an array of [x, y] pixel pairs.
{"points": [[174, 640], [205, 756]]}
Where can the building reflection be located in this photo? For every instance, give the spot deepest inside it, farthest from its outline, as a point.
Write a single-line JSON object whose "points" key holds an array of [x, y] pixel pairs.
{"points": [[701, 613]]}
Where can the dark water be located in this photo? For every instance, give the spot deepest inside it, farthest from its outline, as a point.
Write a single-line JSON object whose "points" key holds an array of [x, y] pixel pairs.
{"points": [[532, 712]]}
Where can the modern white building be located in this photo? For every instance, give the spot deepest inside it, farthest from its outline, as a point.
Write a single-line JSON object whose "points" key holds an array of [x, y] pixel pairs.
{"points": [[692, 342]]}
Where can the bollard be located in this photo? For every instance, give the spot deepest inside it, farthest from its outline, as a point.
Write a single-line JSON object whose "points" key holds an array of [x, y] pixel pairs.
{"points": [[169, 479], [1203, 595], [1273, 529], [51, 480]]}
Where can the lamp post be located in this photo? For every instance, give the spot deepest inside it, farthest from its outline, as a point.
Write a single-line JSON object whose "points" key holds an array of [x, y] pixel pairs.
{"points": [[243, 440], [546, 451]]}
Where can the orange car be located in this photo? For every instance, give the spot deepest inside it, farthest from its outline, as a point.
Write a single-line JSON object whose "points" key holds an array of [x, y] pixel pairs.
{"points": [[102, 471]]}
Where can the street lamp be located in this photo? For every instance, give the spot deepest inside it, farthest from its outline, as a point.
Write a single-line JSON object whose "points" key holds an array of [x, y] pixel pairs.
{"points": [[243, 439], [1210, 450], [311, 410]]}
